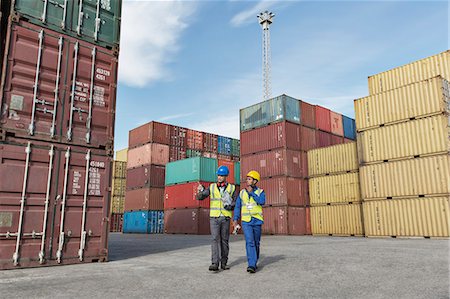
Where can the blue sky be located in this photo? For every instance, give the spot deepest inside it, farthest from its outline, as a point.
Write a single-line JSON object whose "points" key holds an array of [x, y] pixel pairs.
{"points": [[196, 63]]}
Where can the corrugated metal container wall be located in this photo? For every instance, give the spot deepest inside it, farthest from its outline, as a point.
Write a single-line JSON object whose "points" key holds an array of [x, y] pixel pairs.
{"points": [[323, 139], [146, 176], [237, 173], [187, 221], [224, 145], [118, 187], [122, 155], [342, 188], [116, 222], [285, 191], [413, 177], [336, 123], [335, 140], [340, 220], [424, 217], [279, 135], [177, 153], [308, 138], [349, 127], [235, 147], [333, 159], [275, 163], [424, 136], [151, 153], [210, 143], [230, 166], [297, 221], [193, 153], [143, 222], [195, 140], [184, 196], [178, 136], [414, 72], [144, 199], [275, 220], [118, 204], [191, 170], [323, 119], [308, 115], [119, 169], [422, 98], [152, 132], [348, 140]]}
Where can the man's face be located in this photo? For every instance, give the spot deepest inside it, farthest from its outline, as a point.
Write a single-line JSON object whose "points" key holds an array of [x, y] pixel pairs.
{"points": [[221, 179], [251, 181]]}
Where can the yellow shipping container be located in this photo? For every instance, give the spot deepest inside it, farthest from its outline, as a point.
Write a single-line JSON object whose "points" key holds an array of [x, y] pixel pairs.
{"points": [[122, 155], [337, 220], [424, 136], [419, 99], [118, 187], [117, 204], [407, 178], [418, 217], [334, 159], [414, 72], [341, 188], [119, 169]]}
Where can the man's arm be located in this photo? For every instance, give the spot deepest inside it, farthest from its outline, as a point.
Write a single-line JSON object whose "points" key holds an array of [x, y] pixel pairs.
{"points": [[201, 195], [237, 209], [261, 199]]}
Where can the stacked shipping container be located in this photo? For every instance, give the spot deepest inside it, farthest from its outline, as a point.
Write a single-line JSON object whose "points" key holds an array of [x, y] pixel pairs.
{"points": [[403, 148], [118, 187], [58, 95]]}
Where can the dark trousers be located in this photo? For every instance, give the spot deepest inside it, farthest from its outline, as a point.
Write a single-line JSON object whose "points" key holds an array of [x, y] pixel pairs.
{"points": [[220, 232]]}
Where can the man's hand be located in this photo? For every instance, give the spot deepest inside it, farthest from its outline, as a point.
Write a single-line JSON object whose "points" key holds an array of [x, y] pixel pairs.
{"points": [[249, 189], [200, 188], [235, 223]]}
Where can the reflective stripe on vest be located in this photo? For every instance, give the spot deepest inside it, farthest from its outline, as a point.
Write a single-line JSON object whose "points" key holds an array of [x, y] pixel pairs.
{"points": [[256, 211], [216, 208]]}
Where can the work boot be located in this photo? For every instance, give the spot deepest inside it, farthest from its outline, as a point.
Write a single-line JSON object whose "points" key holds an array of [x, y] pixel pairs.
{"points": [[214, 267], [224, 266], [251, 270]]}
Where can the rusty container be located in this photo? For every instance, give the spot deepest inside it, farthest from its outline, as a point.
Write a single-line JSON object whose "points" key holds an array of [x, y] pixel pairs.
{"points": [[323, 139], [177, 153], [211, 143], [284, 220], [146, 176], [183, 196], [144, 199], [187, 221], [195, 140], [337, 125], [308, 138], [152, 132], [151, 153], [308, 115], [285, 191], [323, 119], [178, 136]]}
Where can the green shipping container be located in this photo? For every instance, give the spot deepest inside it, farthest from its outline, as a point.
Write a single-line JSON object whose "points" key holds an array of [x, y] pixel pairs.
{"points": [[190, 153], [237, 173], [271, 111], [95, 21], [235, 147], [191, 170]]}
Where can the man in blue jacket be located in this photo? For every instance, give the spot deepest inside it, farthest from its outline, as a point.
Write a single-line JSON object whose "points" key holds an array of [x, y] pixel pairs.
{"points": [[249, 209]]}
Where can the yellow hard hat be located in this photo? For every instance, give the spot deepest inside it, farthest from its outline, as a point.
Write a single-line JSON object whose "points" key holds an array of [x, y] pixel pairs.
{"points": [[255, 175]]}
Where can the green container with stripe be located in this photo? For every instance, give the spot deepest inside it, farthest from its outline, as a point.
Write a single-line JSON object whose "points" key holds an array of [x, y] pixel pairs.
{"points": [[191, 170], [237, 173], [190, 153], [235, 147]]}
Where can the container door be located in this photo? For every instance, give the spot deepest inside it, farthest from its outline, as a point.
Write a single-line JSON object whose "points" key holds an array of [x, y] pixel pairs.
{"points": [[49, 13]]}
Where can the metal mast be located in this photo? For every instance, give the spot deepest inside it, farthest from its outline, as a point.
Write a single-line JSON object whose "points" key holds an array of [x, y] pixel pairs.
{"points": [[265, 19]]}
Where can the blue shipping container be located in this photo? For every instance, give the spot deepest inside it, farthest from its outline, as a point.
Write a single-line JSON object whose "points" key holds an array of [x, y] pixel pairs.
{"points": [[349, 127], [224, 145], [143, 222]]}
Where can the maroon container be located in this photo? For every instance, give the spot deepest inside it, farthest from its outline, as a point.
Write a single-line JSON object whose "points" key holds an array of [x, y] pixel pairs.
{"points": [[348, 140], [275, 163], [308, 221], [336, 140], [187, 221], [144, 199], [146, 176], [285, 191], [183, 196], [284, 220], [195, 140], [178, 136], [274, 136], [116, 222], [52, 232], [323, 119], [177, 153], [148, 154], [211, 143], [308, 114], [308, 141], [323, 139], [297, 221], [152, 132]]}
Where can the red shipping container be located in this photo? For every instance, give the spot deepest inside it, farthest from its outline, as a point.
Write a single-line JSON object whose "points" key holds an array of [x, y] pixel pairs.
{"points": [[308, 141], [297, 221], [211, 143], [275, 220], [337, 126], [285, 191], [224, 157], [150, 153], [152, 132], [144, 199], [177, 153], [146, 176], [187, 221], [210, 155], [178, 136], [308, 221], [336, 140], [348, 140], [323, 120], [274, 163], [230, 165], [308, 114], [323, 139], [195, 140], [184, 196], [116, 222], [55, 183], [274, 136]]}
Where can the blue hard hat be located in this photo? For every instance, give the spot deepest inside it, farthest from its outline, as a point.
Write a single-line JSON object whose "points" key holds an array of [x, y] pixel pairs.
{"points": [[223, 171]]}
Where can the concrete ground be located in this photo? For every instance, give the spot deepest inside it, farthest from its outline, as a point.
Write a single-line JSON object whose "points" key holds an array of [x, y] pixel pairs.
{"points": [[175, 266]]}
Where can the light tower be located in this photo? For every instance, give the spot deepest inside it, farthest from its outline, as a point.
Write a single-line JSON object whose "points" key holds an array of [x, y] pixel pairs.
{"points": [[265, 19]]}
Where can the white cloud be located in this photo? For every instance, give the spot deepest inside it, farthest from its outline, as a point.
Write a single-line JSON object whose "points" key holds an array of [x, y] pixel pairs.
{"points": [[175, 116], [225, 125], [149, 38]]}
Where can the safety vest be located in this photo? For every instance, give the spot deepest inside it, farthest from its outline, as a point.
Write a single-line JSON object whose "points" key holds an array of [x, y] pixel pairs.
{"points": [[216, 205], [250, 208]]}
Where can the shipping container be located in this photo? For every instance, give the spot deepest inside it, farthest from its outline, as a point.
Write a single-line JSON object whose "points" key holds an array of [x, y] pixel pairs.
{"points": [[308, 221], [297, 221], [91, 20], [237, 173], [323, 119], [348, 140], [122, 155], [119, 169], [183, 196], [118, 204], [323, 139], [341, 188], [193, 153], [152, 132], [308, 115], [308, 138], [178, 136], [187, 221], [279, 135], [191, 170], [407, 178], [340, 220], [281, 108], [116, 222], [284, 220], [177, 153], [230, 165], [425, 136], [224, 145], [337, 127], [210, 155], [285, 191], [235, 147], [335, 140], [418, 217], [151, 153], [415, 100], [224, 157], [145, 177], [210, 143], [275, 163], [436, 65], [332, 160], [66, 191], [143, 222], [195, 140], [349, 127], [144, 199], [118, 187]]}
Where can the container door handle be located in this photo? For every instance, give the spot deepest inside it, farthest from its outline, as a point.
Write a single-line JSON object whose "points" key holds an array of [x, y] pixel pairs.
{"points": [[44, 11], [85, 198], [97, 21], [58, 74], [63, 208], [72, 93], [80, 17], [91, 97], [36, 82]]}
